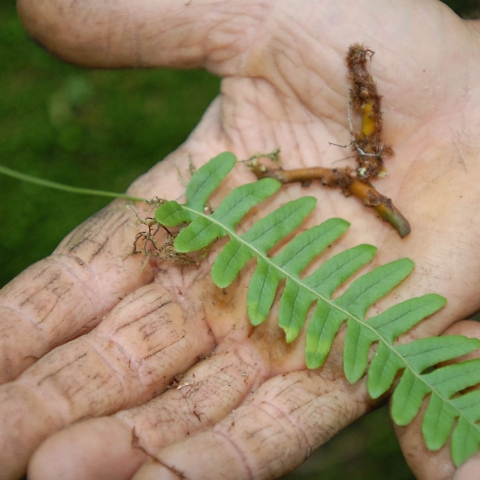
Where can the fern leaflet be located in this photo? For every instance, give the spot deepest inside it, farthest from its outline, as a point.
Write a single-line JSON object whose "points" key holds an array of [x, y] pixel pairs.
{"points": [[413, 361]]}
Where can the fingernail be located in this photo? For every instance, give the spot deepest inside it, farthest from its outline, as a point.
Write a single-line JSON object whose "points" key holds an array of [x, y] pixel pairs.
{"points": [[470, 470]]}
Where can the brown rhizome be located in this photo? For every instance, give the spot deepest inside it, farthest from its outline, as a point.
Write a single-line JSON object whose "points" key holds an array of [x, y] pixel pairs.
{"points": [[369, 149]]}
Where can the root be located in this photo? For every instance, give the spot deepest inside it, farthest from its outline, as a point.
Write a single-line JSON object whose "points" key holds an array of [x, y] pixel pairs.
{"points": [[147, 244]]}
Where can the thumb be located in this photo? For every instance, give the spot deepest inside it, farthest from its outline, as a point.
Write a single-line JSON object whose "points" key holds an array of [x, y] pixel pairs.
{"points": [[126, 33]]}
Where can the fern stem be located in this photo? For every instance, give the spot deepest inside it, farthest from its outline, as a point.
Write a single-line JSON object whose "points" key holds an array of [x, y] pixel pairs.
{"points": [[65, 188]]}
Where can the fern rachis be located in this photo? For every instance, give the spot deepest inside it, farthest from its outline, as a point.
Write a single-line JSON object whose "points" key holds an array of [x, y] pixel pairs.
{"points": [[412, 362]]}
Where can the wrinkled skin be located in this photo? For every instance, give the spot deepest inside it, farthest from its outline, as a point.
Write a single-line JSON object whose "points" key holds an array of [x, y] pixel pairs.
{"points": [[86, 333]]}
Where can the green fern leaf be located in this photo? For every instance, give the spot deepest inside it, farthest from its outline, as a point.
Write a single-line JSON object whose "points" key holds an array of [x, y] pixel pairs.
{"points": [[413, 363]]}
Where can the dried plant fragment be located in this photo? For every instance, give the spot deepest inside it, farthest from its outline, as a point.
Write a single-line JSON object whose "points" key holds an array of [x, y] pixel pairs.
{"points": [[367, 144]]}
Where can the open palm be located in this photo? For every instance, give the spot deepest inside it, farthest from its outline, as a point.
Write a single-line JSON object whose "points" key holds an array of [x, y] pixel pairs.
{"points": [[95, 335]]}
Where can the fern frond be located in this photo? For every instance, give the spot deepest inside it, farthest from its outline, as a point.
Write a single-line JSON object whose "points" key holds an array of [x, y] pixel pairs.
{"points": [[412, 363]]}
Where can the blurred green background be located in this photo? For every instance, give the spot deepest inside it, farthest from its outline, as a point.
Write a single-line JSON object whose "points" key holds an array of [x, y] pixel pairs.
{"points": [[102, 129]]}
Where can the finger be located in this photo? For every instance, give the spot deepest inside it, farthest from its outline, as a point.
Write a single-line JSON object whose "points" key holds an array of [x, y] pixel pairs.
{"points": [[270, 435], [115, 447], [235, 37], [99, 449], [68, 293], [469, 470], [131, 357], [425, 464], [152, 33]]}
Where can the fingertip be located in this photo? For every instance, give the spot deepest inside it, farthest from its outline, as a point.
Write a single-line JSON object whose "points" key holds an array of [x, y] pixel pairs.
{"points": [[91, 34], [121, 33], [156, 471], [97, 449], [469, 470], [25, 422], [469, 328]]}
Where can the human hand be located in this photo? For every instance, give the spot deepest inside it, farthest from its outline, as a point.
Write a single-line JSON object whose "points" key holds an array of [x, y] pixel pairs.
{"points": [[284, 85]]}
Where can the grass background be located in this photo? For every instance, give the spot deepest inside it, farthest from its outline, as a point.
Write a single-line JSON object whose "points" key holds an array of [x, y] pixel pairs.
{"points": [[102, 129]]}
